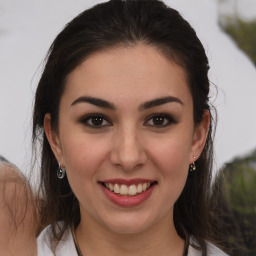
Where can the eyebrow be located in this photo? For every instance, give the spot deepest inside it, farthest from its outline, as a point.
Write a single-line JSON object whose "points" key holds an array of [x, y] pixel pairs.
{"points": [[94, 101], [159, 101], [105, 104]]}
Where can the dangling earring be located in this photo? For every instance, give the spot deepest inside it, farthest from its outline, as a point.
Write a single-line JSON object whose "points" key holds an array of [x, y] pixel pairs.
{"points": [[61, 172], [192, 167]]}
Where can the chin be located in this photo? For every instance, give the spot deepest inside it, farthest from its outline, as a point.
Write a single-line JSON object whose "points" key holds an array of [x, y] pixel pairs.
{"points": [[129, 224]]}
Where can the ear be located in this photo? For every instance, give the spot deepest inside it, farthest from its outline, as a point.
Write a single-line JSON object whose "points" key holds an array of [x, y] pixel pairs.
{"points": [[200, 136], [53, 138]]}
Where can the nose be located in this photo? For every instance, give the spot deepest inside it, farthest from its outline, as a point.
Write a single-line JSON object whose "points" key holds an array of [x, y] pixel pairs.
{"points": [[127, 149]]}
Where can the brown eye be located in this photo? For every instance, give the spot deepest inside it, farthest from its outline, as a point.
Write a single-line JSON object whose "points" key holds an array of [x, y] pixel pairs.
{"points": [[95, 121], [160, 120]]}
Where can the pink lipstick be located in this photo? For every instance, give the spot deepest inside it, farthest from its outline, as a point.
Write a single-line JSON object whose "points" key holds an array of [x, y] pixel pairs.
{"points": [[127, 193]]}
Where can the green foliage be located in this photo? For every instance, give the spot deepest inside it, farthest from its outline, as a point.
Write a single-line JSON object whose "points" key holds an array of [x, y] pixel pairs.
{"points": [[239, 179], [244, 34]]}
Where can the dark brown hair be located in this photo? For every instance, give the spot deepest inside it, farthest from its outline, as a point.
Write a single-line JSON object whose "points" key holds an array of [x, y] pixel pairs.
{"points": [[125, 23]]}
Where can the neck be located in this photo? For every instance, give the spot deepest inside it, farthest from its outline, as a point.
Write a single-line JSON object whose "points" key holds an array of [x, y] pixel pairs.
{"points": [[160, 239]]}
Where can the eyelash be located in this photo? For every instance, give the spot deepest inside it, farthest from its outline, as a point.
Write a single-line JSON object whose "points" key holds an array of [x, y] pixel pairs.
{"points": [[167, 120], [89, 118]]}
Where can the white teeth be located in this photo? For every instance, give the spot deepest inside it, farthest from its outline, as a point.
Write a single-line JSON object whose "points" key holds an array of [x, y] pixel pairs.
{"points": [[123, 190], [131, 190], [139, 188], [110, 186], [116, 189], [144, 186]]}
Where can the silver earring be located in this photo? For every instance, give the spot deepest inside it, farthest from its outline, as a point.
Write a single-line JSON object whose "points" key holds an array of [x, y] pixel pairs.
{"points": [[61, 172]]}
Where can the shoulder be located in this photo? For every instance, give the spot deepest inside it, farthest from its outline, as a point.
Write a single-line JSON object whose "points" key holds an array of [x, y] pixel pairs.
{"points": [[212, 250], [65, 246]]}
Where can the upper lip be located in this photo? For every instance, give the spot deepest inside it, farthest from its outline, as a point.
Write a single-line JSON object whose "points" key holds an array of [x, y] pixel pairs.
{"points": [[127, 182]]}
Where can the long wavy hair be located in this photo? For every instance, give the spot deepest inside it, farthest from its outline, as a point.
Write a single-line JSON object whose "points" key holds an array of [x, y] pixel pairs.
{"points": [[109, 25]]}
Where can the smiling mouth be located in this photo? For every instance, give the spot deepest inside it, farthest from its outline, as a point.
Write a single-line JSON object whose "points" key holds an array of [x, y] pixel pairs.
{"points": [[128, 190]]}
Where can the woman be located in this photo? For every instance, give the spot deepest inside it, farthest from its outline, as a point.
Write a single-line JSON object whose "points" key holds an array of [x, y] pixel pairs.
{"points": [[122, 110]]}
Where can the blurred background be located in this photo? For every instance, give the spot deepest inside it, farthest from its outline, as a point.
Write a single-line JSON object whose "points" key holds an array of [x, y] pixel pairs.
{"points": [[227, 29]]}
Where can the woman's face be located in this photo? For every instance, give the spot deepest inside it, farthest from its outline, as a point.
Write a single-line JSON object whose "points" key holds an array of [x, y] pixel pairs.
{"points": [[126, 137]]}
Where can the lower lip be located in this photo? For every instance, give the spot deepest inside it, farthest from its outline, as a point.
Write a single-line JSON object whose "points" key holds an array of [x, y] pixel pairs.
{"points": [[128, 201]]}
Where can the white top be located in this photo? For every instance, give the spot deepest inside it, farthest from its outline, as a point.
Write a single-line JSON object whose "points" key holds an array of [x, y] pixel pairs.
{"points": [[66, 247]]}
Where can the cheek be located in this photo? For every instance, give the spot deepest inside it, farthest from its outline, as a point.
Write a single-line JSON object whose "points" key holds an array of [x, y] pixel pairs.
{"points": [[83, 156], [174, 168], [172, 155]]}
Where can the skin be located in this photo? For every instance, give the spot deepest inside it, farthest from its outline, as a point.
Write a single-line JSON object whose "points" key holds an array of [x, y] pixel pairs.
{"points": [[18, 220], [127, 144]]}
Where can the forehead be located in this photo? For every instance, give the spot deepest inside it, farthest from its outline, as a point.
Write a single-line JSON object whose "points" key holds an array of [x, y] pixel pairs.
{"points": [[125, 72]]}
